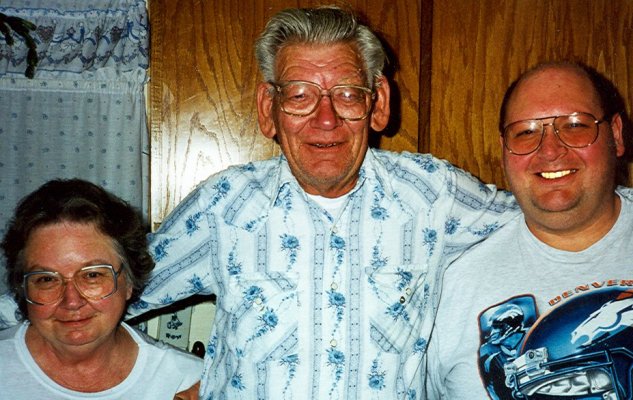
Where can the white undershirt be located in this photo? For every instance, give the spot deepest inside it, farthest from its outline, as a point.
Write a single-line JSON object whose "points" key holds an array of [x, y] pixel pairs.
{"points": [[331, 205]]}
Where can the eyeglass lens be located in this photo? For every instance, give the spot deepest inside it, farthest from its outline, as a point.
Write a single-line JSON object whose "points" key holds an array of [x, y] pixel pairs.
{"points": [[46, 287], [576, 130], [302, 98]]}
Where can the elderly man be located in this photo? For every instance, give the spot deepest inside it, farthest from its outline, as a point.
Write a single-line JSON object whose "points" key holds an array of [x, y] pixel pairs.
{"points": [[542, 308], [325, 261]]}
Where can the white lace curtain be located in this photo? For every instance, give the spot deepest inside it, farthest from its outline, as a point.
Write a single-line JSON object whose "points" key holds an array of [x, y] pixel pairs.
{"points": [[83, 113]]}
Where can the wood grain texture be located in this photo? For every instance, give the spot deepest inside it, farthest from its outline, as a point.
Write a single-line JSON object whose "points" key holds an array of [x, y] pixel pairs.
{"points": [[204, 76], [203, 79], [480, 47]]}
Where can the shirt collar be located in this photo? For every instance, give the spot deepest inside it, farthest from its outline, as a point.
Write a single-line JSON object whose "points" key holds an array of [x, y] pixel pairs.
{"points": [[372, 171]]}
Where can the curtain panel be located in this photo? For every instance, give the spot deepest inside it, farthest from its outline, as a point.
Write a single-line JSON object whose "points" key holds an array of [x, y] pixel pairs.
{"points": [[83, 112]]}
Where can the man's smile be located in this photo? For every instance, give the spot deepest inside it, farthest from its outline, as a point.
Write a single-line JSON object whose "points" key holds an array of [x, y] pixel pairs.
{"points": [[556, 174]]}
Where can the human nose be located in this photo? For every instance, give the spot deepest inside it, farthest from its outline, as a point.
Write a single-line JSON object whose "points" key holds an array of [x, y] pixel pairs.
{"points": [[71, 296], [551, 146], [325, 116]]}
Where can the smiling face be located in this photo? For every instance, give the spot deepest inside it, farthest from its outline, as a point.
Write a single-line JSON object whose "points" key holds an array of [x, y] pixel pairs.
{"points": [[324, 152], [561, 189], [74, 321]]}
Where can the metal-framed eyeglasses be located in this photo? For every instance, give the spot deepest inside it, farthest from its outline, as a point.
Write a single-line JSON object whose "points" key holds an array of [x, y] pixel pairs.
{"points": [[575, 130], [94, 282], [301, 98]]}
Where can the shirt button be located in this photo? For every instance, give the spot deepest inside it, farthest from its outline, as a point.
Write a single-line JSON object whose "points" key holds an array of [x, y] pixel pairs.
{"points": [[333, 286], [258, 300], [407, 291], [333, 343], [402, 299]]}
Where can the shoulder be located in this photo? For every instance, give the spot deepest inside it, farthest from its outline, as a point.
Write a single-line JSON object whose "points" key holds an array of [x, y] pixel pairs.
{"points": [[425, 172], [11, 333], [483, 256], [419, 163], [243, 173], [169, 356], [235, 185], [626, 194]]}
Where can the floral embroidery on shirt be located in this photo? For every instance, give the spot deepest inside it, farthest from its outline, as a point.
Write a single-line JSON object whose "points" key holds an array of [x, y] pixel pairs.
{"points": [[160, 250], [376, 377], [268, 321], [290, 245], [336, 359], [284, 200], [425, 161], [405, 278], [236, 382], [337, 244], [377, 211], [254, 292], [485, 231], [451, 225], [291, 361], [212, 347], [222, 188], [430, 238], [234, 267], [337, 301], [419, 347], [397, 310], [196, 285], [191, 224], [377, 261]]}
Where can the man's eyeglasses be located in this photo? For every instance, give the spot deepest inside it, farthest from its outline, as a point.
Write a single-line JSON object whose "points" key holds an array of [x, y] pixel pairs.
{"points": [[300, 98], [575, 130], [94, 282]]}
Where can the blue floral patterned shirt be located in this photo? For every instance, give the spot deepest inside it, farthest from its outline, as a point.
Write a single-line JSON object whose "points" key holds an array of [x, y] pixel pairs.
{"points": [[313, 305]]}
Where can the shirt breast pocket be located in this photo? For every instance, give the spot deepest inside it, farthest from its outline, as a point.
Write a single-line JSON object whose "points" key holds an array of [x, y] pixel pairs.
{"points": [[259, 308], [399, 295]]}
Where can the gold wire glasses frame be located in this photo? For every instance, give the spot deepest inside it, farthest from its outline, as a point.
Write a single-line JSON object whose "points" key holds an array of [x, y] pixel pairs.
{"points": [[575, 130], [301, 98], [94, 282]]}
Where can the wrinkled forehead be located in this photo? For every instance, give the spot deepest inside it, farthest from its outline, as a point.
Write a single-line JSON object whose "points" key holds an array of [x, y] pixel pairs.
{"points": [[300, 61]]}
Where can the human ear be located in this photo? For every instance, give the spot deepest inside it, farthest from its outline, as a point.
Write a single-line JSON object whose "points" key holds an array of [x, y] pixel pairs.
{"points": [[265, 100], [381, 110], [616, 131]]}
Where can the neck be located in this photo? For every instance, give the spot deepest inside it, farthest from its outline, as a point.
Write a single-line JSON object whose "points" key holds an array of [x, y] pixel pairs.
{"points": [[564, 232], [82, 369]]}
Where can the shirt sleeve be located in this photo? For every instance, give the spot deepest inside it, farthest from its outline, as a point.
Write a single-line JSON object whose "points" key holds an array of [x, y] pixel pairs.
{"points": [[181, 249], [9, 314], [474, 210]]}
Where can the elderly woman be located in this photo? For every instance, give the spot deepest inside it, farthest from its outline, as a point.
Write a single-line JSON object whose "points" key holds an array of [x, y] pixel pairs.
{"points": [[76, 255]]}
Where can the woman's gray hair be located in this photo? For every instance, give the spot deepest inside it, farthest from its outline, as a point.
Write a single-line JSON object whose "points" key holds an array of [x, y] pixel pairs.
{"points": [[321, 25]]}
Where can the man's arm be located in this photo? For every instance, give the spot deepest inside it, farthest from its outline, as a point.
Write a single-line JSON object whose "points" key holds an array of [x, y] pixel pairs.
{"points": [[8, 311], [476, 210], [180, 248]]}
